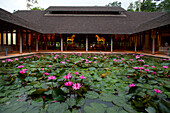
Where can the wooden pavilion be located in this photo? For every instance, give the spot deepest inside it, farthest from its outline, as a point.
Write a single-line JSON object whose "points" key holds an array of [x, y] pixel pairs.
{"points": [[84, 29]]}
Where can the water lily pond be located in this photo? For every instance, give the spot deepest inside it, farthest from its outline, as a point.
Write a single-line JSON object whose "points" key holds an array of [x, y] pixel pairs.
{"points": [[85, 83]]}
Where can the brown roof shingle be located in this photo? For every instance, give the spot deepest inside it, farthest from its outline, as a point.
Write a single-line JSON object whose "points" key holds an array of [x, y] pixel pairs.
{"points": [[13, 19], [155, 22]]}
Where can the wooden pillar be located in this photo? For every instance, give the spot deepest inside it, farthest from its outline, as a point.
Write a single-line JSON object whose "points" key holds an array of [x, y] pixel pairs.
{"points": [[86, 43], [20, 35], [111, 43], [153, 42], [12, 40], [135, 42], [2, 33], [36, 36], [32, 39], [27, 40], [140, 39], [6, 38], [46, 41], [61, 42], [55, 41]]}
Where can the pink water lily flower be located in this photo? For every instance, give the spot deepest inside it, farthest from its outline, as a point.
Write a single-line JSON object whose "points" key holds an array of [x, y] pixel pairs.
{"points": [[21, 66], [153, 67], [69, 83], [76, 86], [141, 60], [69, 74], [137, 56], [94, 57], [22, 72], [127, 76], [3, 61], [55, 57], [165, 67], [135, 67], [16, 58], [82, 77], [132, 85], [42, 69], [46, 74], [95, 62], [141, 67], [24, 69], [146, 65], [21, 62], [51, 78], [154, 72], [76, 73], [49, 66], [157, 91], [67, 77], [147, 70], [130, 59]]}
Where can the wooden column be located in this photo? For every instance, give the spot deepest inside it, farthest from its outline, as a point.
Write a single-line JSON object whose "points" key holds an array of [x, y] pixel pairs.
{"points": [[20, 35], [140, 42], [32, 39], [2, 38], [86, 43], [12, 39], [46, 41], [111, 43], [61, 42], [135, 42], [36, 36], [27, 48], [153, 42], [6, 38], [55, 41]]}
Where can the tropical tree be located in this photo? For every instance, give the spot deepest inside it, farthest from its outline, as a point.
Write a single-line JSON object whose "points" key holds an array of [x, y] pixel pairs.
{"points": [[164, 6], [115, 4], [30, 3], [148, 6], [130, 7], [37, 8]]}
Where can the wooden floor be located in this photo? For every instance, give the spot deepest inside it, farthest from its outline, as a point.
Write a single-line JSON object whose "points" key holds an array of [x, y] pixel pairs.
{"points": [[16, 54]]}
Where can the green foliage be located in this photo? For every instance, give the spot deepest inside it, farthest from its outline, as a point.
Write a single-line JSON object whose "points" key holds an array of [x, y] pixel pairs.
{"points": [[37, 8], [164, 6], [114, 4], [150, 6], [95, 108]]}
